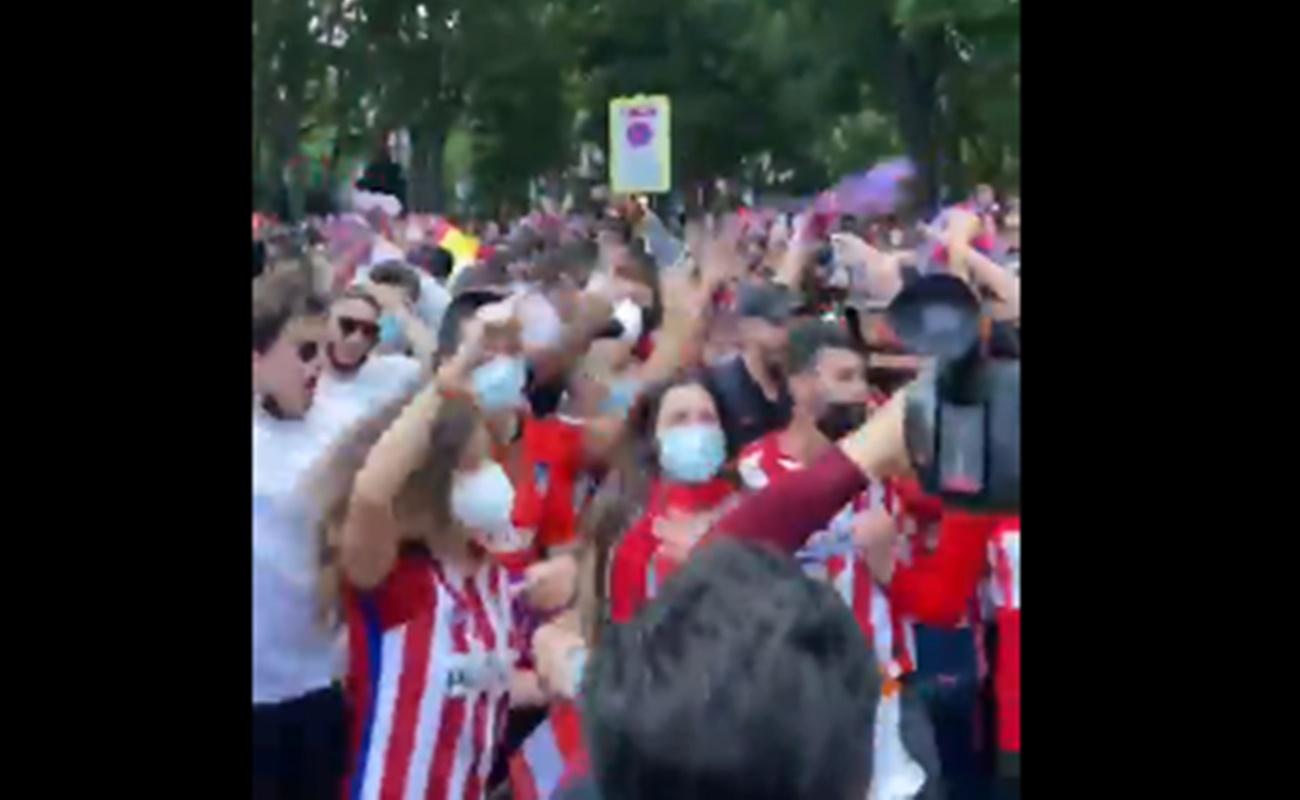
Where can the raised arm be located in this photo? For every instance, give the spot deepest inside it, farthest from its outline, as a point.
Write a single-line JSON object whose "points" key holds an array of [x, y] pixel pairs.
{"points": [[789, 511], [370, 531], [968, 263], [424, 342], [798, 255]]}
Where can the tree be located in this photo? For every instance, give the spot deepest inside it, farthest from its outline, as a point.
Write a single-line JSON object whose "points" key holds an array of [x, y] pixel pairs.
{"points": [[743, 92], [786, 94], [289, 79], [517, 109], [947, 71]]}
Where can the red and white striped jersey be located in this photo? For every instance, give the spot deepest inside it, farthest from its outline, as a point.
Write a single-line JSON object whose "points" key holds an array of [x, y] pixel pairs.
{"points": [[891, 635], [830, 556], [430, 655], [1004, 553], [1004, 559], [549, 753]]}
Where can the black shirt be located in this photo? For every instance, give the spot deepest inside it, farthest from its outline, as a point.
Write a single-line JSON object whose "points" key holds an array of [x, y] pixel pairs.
{"points": [[747, 414]]}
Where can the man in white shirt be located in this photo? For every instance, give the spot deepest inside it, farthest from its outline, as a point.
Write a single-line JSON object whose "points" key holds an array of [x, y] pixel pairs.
{"points": [[299, 739], [358, 381]]}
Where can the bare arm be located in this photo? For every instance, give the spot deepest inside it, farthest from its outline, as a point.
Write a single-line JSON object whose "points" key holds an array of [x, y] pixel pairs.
{"points": [[370, 531], [686, 300], [423, 341], [594, 313], [797, 257], [792, 509], [968, 263]]}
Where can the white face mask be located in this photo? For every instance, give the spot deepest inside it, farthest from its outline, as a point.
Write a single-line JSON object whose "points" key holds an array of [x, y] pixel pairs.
{"points": [[482, 501], [629, 315]]}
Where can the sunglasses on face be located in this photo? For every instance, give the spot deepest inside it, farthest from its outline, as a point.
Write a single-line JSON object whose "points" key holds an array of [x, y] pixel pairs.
{"points": [[349, 326], [308, 351]]}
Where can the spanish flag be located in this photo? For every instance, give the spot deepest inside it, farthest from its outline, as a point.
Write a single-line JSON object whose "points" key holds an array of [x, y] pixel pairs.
{"points": [[464, 248]]}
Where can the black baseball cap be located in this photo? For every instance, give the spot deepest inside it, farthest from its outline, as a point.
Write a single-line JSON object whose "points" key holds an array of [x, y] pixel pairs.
{"points": [[771, 302]]}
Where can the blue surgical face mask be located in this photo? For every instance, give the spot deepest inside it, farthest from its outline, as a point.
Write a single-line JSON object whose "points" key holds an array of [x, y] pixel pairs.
{"points": [[622, 394], [390, 330], [692, 453], [499, 384]]}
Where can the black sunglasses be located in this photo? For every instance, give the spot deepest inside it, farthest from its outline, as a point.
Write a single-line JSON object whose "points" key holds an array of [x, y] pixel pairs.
{"points": [[350, 326], [307, 351]]}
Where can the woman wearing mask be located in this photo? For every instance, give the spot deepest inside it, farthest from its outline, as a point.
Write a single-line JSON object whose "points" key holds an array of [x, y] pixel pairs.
{"points": [[544, 458], [432, 641], [673, 472]]}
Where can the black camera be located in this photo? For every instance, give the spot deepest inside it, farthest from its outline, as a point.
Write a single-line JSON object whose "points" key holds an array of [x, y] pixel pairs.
{"points": [[962, 417]]}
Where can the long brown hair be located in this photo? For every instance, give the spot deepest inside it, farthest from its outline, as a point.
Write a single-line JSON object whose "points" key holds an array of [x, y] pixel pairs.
{"points": [[636, 459], [622, 499], [428, 487], [330, 486], [426, 493]]}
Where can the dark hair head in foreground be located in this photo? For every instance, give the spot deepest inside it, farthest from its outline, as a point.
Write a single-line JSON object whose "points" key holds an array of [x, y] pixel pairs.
{"points": [[742, 680]]}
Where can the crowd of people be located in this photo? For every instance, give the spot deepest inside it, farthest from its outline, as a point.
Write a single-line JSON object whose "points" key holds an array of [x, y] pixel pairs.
{"points": [[619, 507]]}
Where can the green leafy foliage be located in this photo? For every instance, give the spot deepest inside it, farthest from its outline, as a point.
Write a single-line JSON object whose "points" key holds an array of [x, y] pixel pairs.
{"points": [[781, 94]]}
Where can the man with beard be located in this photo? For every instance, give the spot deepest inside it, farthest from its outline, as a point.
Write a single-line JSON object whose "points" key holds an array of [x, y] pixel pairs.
{"points": [[752, 388], [358, 381], [830, 395]]}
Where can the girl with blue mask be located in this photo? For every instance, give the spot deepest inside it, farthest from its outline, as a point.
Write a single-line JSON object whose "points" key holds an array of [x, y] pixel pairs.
{"points": [[683, 500], [692, 453]]}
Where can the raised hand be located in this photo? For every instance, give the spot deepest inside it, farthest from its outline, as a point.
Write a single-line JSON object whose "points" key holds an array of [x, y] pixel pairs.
{"points": [[554, 645], [390, 298], [884, 277], [551, 584]]}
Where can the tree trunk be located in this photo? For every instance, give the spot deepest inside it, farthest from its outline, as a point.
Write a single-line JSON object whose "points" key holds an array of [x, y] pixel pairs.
{"points": [[425, 190], [913, 66], [287, 177], [917, 111]]}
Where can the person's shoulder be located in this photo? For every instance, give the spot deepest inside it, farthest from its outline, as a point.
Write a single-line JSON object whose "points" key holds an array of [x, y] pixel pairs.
{"points": [[408, 591]]}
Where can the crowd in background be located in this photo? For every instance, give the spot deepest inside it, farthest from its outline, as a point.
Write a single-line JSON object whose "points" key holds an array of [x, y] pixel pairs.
{"points": [[612, 506]]}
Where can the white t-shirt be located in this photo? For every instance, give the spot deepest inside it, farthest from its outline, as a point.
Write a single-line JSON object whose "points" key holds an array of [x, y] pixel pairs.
{"points": [[293, 649], [346, 399]]}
